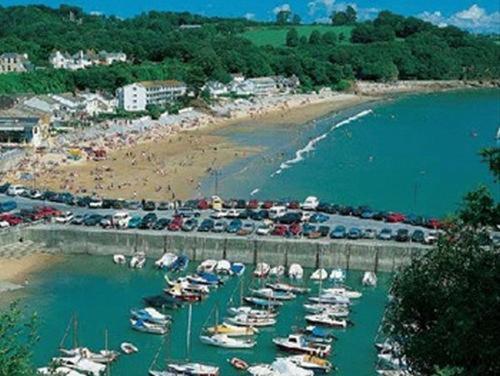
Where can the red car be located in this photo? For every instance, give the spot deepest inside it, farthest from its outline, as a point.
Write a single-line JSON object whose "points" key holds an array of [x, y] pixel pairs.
{"points": [[279, 230], [295, 229], [11, 219], [267, 204], [434, 224], [253, 204], [203, 204], [47, 211], [395, 218], [176, 223], [294, 205]]}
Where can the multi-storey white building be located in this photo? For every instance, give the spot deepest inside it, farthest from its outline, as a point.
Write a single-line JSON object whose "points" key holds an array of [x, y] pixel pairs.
{"points": [[136, 96], [81, 60], [13, 62]]}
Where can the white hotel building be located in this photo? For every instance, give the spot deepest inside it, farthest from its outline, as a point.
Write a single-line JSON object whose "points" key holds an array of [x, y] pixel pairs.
{"points": [[136, 96]]}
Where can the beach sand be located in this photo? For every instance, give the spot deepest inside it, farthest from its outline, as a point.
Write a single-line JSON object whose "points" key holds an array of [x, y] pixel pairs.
{"points": [[18, 270], [173, 167]]}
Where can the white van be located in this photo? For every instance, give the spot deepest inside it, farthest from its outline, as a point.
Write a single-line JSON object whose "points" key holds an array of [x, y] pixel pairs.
{"points": [[311, 203], [15, 190], [121, 219], [277, 212]]}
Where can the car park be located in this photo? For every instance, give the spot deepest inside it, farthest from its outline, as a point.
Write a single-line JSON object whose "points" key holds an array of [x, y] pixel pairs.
{"points": [[385, 234]]}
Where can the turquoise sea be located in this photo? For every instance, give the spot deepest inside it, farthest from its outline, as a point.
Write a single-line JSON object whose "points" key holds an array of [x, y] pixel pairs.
{"points": [[417, 154], [101, 295]]}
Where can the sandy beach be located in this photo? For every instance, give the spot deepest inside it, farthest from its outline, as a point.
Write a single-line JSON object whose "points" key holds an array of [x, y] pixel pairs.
{"points": [[18, 270], [172, 166]]}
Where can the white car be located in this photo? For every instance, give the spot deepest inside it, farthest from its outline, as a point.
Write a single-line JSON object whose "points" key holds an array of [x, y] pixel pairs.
{"points": [[95, 203], [121, 219], [4, 224], [306, 216], [431, 237], [277, 212], [233, 213], [65, 217], [311, 203], [264, 229], [217, 214], [15, 190]]}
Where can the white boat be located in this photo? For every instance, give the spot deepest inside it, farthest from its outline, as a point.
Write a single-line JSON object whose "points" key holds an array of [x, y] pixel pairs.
{"points": [[146, 327], [238, 268], [295, 271], [223, 267], [369, 279], [280, 367], [337, 275], [222, 340], [342, 291], [128, 348], [207, 266], [299, 343], [311, 362], [268, 293], [232, 330], [166, 261], [288, 288], [150, 315], [251, 312], [191, 369], [103, 356], [261, 270], [334, 310], [277, 271], [59, 371], [138, 260], [319, 275], [244, 320], [119, 259], [263, 370], [80, 364], [330, 299], [326, 320]]}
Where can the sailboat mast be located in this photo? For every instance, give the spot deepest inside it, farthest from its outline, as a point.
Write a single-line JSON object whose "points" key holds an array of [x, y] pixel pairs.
{"points": [[75, 331], [108, 366], [188, 335]]}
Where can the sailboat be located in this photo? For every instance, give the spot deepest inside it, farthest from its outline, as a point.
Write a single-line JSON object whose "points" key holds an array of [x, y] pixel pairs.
{"points": [[186, 368]]}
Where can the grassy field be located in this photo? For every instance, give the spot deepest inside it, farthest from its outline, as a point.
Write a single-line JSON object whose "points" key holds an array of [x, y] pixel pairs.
{"points": [[276, 35]]}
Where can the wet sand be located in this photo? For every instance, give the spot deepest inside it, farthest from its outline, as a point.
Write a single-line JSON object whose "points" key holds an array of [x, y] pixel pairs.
{"points": [[18, 270], [173, 167]]}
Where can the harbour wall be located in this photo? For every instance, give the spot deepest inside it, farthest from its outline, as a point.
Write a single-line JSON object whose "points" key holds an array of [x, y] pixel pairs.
{"points": [[357, 255]]}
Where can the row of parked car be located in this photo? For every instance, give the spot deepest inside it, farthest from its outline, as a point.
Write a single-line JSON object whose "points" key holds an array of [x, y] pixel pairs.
{"points": [[281, 207]]}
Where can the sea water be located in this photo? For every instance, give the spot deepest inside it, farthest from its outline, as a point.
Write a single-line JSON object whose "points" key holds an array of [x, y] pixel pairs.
{"points": [[416, 154], [101, 295]]}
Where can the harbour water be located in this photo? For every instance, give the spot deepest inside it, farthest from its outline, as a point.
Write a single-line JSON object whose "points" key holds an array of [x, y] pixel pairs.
{"points": [[417, 154], [101, 295]]}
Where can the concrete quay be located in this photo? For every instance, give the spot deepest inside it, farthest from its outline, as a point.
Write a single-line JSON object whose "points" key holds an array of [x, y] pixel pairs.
{"points": [[362, 255]]}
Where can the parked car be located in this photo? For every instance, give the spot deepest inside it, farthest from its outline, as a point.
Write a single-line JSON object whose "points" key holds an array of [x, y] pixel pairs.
{"points": [[369, 233], [164, 205], [4, 188], [95, 203], [121, 219], [234, 226], [217, 214], [259, 215], [290, 218], [92, 220], [253, 204], [402, 235], [385, 234], [308, 229], [78, 220], [354, 233], [267, 205], [186, 212], [134, 221], [161, 224], [133, 205], [219, 226], [233, 213], [190, 225], [176, 223], [106, 221], [310, 203], [264, 229], [15, 190], [148, 206], [319, 218], [7, 206], [64, 218], [295, 229], [246, 229], [279, 230], [339, 232], [324, 230], [83, 201], [418, 236], [293, 205], [395, 218], [203, 204], [206, 226], [148, 221]]}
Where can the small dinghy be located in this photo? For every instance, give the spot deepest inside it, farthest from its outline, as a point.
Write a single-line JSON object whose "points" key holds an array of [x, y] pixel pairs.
{"points": [[223, 267], [262, 302], [239, 364], [337, 275], [207, 279], [277, 271], [119, 259], [319, 334], [268, 293], [146, 327], [128, 348], [232, 330], [237, 268], [166, 261], [326, 320], [222, 340], [295, 272], [319, 275], [369, 279], [180, 264], [256, 313], [138, 260], [244, 320], [207, 266], [261, 270]]}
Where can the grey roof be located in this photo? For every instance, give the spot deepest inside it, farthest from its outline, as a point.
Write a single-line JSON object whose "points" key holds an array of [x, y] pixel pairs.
{"points": [[18, 122]]}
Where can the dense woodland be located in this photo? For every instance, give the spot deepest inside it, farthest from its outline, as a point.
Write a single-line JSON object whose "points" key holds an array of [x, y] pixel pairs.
{"points": [[387, 48]]}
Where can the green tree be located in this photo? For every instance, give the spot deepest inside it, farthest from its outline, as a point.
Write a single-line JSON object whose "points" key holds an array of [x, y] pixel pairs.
{"points": [[282, 17], [292, 38], [492, 157], [296, 20], [329, 38], [339, 18], [380, 71], [315, 37], [479, 209], [17, 338], [351, 15]]}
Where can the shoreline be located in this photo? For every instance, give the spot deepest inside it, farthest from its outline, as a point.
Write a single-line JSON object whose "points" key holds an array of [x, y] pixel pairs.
{"points": [[171, 162], [15, 273]]}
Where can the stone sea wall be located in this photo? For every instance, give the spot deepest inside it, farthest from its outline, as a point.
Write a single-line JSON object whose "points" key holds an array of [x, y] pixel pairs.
{"points": [[358, 255]]}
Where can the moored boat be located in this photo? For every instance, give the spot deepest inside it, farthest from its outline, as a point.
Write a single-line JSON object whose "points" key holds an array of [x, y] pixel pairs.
{"points": [[277, 271], [222, 340], [256, 313], [239, 364], [268, 293], [261, 270], [151, 315], [128, 348], [369, 279], [337, 275], [288, 288], [103, 356], [262, 302], [180, 264], [311, 362], [138, 260], [146, 327], [244, 320], [295, 272], [319, 275], [298, 343], [342, 291], [119, 259], [340, 310], [238, 268], [232, 330], [207, 266], [166, 261], [326, 320], [223, 267], [192, 369]]}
